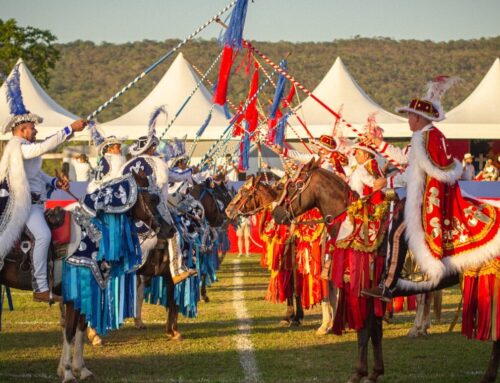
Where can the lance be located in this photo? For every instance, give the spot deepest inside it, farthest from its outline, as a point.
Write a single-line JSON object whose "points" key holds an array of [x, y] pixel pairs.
{"points": [[158, 62], [309, 93]]}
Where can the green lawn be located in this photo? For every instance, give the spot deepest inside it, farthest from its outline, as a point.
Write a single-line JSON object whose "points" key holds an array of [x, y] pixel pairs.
{"points": [[30, 344]]}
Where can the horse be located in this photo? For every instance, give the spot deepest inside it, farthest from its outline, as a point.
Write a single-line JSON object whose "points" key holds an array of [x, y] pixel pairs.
{"points": [[319, 188], [253, 197], [16, 273]]}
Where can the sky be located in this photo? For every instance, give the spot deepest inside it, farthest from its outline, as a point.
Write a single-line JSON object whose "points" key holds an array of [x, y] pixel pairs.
{"points": [[119, 21]]}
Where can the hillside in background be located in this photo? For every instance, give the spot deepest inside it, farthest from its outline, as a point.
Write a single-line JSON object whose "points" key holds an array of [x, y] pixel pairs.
{"points": [[390, 71]]}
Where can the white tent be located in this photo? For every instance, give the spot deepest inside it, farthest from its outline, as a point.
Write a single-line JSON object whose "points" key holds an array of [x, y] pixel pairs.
{"points": [[36, 100], [172, 90], [478, 116], [340, 91]]}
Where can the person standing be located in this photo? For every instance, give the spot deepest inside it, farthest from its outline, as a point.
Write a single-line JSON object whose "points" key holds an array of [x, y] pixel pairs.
{"points": [[469, 173], [243, 232]]}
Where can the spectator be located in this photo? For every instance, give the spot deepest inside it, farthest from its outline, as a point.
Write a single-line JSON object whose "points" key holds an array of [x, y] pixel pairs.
{"points": [[243, 233], [469, 172], [489, 172], [83, 170]]}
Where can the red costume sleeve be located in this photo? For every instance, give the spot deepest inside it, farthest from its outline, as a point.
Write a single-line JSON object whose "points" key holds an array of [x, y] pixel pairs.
{"points": [[437, 149]]}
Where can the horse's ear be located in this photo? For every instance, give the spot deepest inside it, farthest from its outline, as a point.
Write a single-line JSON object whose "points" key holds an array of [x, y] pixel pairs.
{"points": [[249, 181], [317, 163], [257, 180]]}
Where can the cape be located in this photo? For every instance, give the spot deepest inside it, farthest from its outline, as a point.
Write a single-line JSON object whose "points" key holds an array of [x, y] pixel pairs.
{"points": [[15, 197]]}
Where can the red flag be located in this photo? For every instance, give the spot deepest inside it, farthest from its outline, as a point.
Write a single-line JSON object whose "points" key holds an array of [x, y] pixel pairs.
{"points": [[226, 63], [237, 128], [289, 97], [251, 114]]}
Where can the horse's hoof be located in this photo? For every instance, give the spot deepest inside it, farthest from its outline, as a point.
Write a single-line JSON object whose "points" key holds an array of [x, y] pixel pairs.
{"points": [[139, 324], [285, 322], [356, 377], [175, 335], [97, 341], [68, 377], [206, 299], [412, 334], [322, 331], [86, 374]]}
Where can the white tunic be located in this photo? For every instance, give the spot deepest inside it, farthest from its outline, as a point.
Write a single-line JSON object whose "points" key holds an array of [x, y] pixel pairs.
{"points": [[32, 154]]}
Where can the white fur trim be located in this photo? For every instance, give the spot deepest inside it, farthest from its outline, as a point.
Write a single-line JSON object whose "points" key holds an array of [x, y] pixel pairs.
{"points": [[11, 164], [420, 167]]}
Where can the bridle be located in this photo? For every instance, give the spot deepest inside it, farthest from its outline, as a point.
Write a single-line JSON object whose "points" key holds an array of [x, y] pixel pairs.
{"points": [[251, 193]]}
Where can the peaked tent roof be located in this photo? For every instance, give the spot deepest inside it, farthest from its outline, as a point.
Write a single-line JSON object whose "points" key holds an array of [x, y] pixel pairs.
{"points": [[478, 116], [55, 117], [172, 90], [340, 91]]}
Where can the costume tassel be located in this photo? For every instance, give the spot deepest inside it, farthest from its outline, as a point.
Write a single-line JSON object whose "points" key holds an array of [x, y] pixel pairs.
{"points": [[205, 124], [251, 114], [234, 33], [280, 90], [226, 63], [279, 137], [244, 151], [232, 41], [238, 120]]}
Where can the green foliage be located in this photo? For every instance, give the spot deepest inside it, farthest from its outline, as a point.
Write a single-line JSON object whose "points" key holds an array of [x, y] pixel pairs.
{"points": [[390, 71], [33, 45]]}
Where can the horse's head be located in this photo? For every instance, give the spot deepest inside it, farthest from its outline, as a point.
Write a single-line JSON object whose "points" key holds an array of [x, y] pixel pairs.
{"points": [[295, 194], [312, 187], [205, 195], [151, 207], [252, 197]]}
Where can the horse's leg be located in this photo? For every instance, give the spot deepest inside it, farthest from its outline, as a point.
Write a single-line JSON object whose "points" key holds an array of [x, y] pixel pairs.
{"points": [[419, 317], [78, 367], [69, 330], [290, 312], [490, 375], [427, 313], [172, 313], [378, 357], [299, 311], [203, 291], [138, 323], [438, 304], [362, 367]]}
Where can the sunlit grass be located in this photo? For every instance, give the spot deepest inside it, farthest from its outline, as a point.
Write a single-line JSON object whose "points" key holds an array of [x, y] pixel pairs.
{"points": [[31, 338]]}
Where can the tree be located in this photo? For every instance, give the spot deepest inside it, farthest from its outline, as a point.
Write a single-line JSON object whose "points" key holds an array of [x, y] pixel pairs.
{"points": [[33, 45]]}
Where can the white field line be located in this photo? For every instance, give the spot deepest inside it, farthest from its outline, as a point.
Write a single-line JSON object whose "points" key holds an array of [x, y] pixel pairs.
{"points": [[243, 343]]}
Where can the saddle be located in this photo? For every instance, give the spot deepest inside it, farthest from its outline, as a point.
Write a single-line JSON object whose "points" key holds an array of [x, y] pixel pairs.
{"points": [[59, 222]]}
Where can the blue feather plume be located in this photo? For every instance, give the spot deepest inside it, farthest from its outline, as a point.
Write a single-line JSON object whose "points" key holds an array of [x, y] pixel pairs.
{"points": [[280, 90], [154, 117], [179, 147], [95, 135], [205, 124], [234, 33], [279, 137], [14, 95]]}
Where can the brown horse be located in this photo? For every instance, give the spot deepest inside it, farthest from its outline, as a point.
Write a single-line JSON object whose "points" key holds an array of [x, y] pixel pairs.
{"points": [[316, 187], [253, 197], [73, 323]]}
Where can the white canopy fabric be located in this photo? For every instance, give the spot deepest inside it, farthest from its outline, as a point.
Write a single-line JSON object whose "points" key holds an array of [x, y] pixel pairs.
{"points": [[341, 92], [478, 116], [37, 101], [172, 90]]}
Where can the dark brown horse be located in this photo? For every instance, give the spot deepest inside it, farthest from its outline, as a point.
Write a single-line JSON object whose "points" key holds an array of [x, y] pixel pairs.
{"points": [[316, 187], [73, 323]]}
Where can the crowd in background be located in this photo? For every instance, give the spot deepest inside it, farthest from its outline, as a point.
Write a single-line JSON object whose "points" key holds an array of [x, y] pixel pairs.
{"points": [[488, 173]]}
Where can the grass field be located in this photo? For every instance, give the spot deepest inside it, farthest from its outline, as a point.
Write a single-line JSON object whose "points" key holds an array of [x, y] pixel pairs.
{"points": [[30, 343]]}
